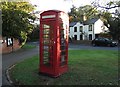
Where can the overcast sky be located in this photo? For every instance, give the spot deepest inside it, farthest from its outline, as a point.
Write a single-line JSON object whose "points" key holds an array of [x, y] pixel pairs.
{"points": [[63, 5]]}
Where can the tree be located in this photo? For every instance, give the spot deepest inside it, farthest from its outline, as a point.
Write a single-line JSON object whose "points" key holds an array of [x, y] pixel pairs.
{"points": [[88, 11], [108, 6], [34, 35], [17, 18], [111, 20], [78, 14], [73, 14]]}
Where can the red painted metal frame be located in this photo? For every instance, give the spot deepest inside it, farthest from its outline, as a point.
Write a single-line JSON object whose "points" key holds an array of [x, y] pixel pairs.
{"points": [[54, 18]]}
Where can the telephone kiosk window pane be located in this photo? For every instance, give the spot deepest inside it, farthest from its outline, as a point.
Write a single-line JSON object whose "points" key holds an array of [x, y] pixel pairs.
{"points": [[62, 37], [45, 36], [62, 47], [63, 34], [61, 24], [46, 58], [63, 42], [62, 61], [46, 42], [46, 26], [46, 31], [46, 47], [62, 53]]}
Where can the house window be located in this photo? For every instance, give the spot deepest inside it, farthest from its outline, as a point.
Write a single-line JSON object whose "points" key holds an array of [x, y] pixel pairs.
{"points": [[75, 37], [81, 28], [75, 29], [90, 27], [90, 36], [81, 37]]}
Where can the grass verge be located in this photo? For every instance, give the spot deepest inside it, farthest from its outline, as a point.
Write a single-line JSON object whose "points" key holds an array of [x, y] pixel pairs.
{"points": [[86, 67], [28, 46]]}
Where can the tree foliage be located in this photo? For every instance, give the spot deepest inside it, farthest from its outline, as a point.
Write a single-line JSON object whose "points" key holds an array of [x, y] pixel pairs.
{"points": [[78, 14], [17, 19], [111, 19], [108, 6], [34, 35]]}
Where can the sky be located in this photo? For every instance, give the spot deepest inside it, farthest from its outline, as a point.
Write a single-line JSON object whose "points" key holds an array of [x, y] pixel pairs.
{"points": [[63, 5]]}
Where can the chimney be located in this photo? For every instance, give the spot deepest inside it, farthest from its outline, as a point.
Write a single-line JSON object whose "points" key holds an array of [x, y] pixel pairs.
{"points": [[84, 18]]}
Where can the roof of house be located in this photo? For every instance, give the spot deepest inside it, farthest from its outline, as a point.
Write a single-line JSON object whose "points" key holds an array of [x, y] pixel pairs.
{"points": [[72, 24], [91, 21]]}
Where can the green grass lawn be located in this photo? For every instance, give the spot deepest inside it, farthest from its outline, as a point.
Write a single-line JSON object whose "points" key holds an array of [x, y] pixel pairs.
{"points": [[86, 67], [28, 46]]}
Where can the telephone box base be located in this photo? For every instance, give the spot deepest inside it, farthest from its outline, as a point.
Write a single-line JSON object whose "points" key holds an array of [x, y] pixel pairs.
{"points": [[49, 75]]}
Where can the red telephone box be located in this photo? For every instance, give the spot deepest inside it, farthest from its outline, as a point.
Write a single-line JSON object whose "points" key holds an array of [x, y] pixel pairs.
{"points": [[54, 27]]}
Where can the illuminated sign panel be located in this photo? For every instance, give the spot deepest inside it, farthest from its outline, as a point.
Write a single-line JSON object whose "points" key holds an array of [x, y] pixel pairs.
{"points": [[48, 16]]}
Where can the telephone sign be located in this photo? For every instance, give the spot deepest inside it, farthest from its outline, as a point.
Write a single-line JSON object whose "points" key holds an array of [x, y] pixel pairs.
{"points": [[9, 41]]}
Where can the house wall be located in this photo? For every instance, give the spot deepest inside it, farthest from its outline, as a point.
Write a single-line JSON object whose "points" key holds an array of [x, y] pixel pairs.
{"points": [[92, 32], [72, 33], [98, 26], [87, 32]]}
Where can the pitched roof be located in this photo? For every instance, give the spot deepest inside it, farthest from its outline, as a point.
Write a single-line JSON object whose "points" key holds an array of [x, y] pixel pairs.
{"points": [[91, 21], [72, 24]]}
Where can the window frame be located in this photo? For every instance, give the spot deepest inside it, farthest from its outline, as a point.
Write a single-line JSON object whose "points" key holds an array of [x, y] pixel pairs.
{"points": [[90, 27], [81, 28], [75, 29]]}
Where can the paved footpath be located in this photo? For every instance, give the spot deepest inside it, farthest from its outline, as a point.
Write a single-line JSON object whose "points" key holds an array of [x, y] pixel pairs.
{"points": [[12, 58]]}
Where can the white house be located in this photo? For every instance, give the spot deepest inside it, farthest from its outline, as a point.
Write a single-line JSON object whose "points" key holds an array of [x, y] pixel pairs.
{"points": [[87, 30]]}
